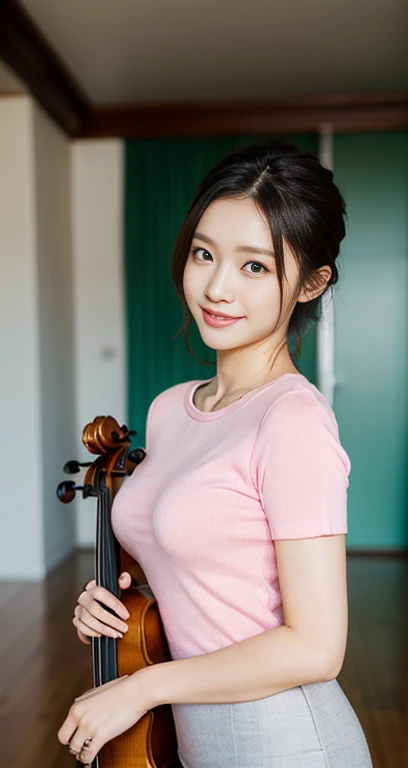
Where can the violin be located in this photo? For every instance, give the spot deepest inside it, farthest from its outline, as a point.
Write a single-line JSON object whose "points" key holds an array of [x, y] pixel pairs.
{"points": [[151, 742]]}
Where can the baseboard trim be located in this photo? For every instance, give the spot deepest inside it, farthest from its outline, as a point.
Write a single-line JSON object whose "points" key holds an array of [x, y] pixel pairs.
{"points": [[397, 552]]}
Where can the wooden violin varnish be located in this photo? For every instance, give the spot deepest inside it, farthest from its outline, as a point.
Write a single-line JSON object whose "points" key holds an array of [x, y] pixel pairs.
{"points": [[151, 742]]}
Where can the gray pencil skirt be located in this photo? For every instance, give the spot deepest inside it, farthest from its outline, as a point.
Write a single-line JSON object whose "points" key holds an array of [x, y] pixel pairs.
{"points": [[309, 726]]}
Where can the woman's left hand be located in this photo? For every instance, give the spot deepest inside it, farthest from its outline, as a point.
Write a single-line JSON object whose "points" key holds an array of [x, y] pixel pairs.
{"points": [[100, 715]]}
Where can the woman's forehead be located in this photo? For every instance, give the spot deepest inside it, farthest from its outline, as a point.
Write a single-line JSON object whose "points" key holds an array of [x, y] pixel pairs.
{"points": [[230, 220]]}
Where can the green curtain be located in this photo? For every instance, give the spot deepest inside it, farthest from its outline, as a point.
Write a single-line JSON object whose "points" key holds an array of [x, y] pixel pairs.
{"points": [[161, 176]]}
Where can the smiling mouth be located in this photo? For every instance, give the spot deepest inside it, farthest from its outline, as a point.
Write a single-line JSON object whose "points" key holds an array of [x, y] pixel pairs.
{"points": [[218, 322], [220, 316]]}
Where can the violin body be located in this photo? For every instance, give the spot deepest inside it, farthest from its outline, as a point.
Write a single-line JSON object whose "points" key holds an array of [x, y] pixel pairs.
{"points": [[151, 742]]}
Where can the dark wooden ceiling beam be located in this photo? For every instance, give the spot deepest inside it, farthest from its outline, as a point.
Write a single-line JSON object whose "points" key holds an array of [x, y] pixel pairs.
{"points": [[24, 48], [378, 111]]}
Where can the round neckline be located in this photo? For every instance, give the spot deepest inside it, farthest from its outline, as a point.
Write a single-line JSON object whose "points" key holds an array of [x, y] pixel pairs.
{"points": [[199, 415]]}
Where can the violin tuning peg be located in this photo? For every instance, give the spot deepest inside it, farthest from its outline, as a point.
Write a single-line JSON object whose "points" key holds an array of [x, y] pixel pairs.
{"points": [[129, 431], [137, 455], [67, 489], [72, 467]]}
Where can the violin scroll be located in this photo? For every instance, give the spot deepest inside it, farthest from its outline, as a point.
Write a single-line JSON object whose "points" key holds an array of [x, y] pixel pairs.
{"points": [[104, 434]]}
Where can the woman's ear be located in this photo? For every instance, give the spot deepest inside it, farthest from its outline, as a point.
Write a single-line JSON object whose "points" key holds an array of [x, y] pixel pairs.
{"points": [[320, 280]]}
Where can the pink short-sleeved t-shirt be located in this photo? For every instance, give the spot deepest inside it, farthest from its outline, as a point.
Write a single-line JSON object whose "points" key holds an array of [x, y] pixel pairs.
{"points": [[215, 490]]}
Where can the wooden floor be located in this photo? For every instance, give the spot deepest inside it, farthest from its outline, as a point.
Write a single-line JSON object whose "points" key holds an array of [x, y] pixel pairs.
{"points": [[44, 666]]}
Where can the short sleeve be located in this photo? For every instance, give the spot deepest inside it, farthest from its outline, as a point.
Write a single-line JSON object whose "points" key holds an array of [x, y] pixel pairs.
{"points": [[300, 468]]}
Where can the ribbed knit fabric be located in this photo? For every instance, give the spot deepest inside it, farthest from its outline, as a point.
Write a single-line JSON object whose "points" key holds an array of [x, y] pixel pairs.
{"points": [[201, 512]]}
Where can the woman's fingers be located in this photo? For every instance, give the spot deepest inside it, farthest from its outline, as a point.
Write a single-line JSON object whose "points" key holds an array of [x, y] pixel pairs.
{"points": [[84, 638], [84, 746], [98, 597], [91, 617], [87, 631], [98, 612], [125, 580], [88, 624]]}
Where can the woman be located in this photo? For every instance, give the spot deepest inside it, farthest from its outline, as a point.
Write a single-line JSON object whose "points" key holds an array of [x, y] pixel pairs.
{"points": [[238, 513]]}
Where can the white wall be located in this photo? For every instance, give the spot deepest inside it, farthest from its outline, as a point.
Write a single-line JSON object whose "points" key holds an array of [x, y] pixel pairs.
{"points": [[52, 164], [36, 395], [100, 345], [21, 540], [62, 321]]}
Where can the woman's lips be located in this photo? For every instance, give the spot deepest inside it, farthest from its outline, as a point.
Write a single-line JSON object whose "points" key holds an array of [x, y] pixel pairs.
{"points": [[218, 322]]}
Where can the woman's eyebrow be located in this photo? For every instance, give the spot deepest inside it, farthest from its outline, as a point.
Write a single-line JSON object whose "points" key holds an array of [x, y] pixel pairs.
{"points": [[240, 248]]}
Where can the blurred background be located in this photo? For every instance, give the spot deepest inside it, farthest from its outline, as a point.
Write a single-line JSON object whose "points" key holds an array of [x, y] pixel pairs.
{"points": [[110, 115]]}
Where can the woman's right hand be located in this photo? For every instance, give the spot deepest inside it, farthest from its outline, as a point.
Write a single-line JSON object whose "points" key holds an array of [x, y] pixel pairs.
{"points": [[91, 619]]}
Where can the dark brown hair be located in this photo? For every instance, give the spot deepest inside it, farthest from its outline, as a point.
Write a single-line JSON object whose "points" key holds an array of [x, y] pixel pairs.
{"points": [[301, 203]]}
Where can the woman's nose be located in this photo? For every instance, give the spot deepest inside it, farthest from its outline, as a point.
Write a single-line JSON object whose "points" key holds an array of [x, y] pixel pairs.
{"points": [[220, 288]]}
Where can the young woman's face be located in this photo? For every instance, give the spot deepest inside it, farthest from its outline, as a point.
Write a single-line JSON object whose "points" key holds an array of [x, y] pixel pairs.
{"points": [[223, 274]]}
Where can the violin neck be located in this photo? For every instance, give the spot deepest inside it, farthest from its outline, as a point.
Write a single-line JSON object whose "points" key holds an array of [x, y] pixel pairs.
{"points": [[107, 564]]}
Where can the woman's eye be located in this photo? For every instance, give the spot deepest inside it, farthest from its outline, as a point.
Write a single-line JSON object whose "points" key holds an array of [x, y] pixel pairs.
{"points": [[258, 264], [194, 250]]}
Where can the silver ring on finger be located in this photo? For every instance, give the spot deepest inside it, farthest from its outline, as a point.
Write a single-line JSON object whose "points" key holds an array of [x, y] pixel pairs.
{"points": [[86, 744]]}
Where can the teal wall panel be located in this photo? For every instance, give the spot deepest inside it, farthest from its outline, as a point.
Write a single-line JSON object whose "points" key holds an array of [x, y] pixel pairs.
{"points": [[371, 398]]}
